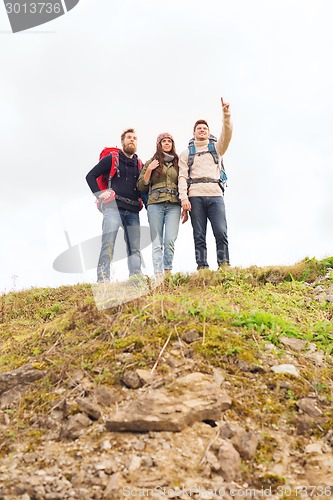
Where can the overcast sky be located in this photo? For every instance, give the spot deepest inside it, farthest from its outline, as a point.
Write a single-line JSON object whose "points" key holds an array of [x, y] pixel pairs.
{"points": [[69, 88]]}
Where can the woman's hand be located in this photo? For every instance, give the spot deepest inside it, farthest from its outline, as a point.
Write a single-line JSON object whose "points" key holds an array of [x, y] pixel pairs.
{"points": [[154, 164]]}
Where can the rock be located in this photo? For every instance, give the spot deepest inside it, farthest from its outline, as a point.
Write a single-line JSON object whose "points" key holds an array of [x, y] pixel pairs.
{"points": [[226, 431], [174, 361], [325, 296], [21, 376], [246, 443], [230, 461], [145, 376], [10, 398], [106, 445], [45, 422], [193, 398], [89, 407], [329, 437], [132, 380], [105, 464], [309, 407], [190, 336], [112, 486], [296, 344], [287, 368], [76, 378], [134, 463], [317, 357], [139, 446], [213, 461], [218, 376], [106, 396], [245, 366], [305, 425], [313, 448], [75, 425], [269, 347]]}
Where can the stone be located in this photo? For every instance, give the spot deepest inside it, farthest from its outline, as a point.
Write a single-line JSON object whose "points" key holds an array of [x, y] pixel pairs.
{"points": [[305, 425], [75, 425], [213, 461], [193, 398], [106, 396], [190, 336], [145, 376], [310, 407], [286, 368], [313, 448], [134, 463], [23, 375], [230, 461], [295, 344], [12, 397], [112, 486], [89, 407], [132, 380], [245, 366], [246, 443]]}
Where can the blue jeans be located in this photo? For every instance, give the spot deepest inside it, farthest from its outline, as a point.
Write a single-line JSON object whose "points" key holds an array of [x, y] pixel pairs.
{"points": [[209, 208], [163, 221], [113, 219]]}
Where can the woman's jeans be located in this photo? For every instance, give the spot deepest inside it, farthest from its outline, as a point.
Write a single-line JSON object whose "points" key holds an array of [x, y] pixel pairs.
{"points": [[113, 219], [163, 221], [209, 208]]}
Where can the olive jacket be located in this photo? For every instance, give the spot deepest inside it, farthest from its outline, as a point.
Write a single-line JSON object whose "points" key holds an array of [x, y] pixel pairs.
{"points": [[161, 188]]}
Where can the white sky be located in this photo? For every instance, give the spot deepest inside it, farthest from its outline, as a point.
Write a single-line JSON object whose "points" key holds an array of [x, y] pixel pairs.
{"points": [[69, 87]]}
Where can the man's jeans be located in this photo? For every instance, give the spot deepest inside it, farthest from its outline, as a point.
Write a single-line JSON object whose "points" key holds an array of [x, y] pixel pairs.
{"points": [[163, 218], [209, 208], [113, 219]]}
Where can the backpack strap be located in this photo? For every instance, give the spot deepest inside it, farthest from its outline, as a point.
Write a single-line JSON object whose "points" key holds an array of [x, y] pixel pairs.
{"points": [[192, 151], [114, 167], [212, 148], [222, 181]]}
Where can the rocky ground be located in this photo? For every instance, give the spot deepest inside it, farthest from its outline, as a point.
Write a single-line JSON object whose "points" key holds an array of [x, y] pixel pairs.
{"points": [[167, 436], [191, 430]]}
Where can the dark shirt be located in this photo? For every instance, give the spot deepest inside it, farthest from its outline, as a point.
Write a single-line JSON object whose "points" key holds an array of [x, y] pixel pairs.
{"points": [[123, 183]]}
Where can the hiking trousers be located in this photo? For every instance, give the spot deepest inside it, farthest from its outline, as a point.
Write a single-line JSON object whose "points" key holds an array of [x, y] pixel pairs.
{"points": [[210, 208], [113, 219], [163, 221]]}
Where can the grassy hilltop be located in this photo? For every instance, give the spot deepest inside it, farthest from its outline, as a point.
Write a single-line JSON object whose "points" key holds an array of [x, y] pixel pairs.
{"points": [[240, 322]]}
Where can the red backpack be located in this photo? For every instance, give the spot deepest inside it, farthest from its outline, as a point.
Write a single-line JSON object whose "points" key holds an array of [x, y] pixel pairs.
{"points": [[104, 181]]}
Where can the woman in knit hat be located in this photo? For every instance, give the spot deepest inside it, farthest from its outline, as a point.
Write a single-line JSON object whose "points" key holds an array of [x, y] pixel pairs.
{"points": [[159, 177]]}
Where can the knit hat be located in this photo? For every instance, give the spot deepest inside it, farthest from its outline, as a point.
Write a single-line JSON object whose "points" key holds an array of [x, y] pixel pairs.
{"points": [[163, 136]]}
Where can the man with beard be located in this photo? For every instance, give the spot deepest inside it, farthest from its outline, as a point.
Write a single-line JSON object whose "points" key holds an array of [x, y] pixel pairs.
{"points": [[120, 206]]}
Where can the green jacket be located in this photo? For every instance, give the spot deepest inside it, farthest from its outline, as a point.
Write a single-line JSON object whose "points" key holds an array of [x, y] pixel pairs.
{"points": [[167, 182]]}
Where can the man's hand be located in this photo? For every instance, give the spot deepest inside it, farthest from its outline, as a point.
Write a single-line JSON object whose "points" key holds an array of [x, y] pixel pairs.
{"points": [[225, 105], [109, 193], [186, 205]]}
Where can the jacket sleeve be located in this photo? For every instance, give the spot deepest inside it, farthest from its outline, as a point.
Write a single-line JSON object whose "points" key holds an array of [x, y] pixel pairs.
{"points": [[103, 167], [226, 133], [141, 185], [183, 175]]}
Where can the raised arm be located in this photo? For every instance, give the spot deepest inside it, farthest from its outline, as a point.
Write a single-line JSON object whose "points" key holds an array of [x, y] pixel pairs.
{"points": [[226, 133]]}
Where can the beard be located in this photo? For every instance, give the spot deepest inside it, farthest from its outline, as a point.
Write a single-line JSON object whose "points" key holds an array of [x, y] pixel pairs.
{"points": [[129, 149]]}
